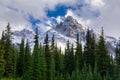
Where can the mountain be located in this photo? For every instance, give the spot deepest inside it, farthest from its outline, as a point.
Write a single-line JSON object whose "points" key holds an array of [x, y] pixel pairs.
{"points": [[66, 30]]}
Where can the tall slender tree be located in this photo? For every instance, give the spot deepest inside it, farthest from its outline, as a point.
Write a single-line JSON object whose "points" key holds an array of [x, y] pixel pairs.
{"points": [[27, 63], [102, 56], [36, 65], [43, 64], [47, 57], [20, 64], [69, 65], [89, 49], [78, 54], [57, 60], [8, 56]]}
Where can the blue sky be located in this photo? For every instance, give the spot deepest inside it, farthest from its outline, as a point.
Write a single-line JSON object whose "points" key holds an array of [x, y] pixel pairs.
{"points": [[46, 13]]}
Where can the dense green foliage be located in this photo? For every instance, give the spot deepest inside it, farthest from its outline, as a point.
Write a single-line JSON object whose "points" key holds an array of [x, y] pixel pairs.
{"points": [[48, 62]]}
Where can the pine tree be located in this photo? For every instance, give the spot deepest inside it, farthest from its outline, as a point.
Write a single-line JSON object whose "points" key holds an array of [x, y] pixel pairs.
{"points": [[102, 56], [53, 43], [14, 60], [78, 55], [36, 65], [67, 51], [69, 65], [27, 63], [2, 61], [8, 56], [89, 49], [52, 58], [52, 68], [93, 51], [47, 57], [61, 59], [43, 64], [57, 60], [20, 64]]}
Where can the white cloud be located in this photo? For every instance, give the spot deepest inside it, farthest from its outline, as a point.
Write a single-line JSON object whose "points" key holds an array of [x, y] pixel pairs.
{"points": [[95, 3]]}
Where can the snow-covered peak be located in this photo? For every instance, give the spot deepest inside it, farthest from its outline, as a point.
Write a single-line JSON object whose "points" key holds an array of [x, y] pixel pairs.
{"points": [[69, 27]]}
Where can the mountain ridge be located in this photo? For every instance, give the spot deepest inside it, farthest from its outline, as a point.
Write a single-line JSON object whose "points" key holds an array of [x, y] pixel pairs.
{"points": [[66, 30]]}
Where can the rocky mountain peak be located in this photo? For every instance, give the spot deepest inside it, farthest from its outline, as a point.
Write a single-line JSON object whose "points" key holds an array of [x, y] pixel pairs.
{"points": [[70, 26]]}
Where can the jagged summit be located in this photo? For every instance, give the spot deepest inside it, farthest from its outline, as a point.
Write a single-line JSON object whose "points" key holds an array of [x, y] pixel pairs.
{"points": [[69, 27]]}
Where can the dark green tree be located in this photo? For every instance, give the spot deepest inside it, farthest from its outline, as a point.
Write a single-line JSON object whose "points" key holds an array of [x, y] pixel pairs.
{"points": [[93, 51], [27, 63], [9, 54], [102, 56], [57, 60], [43, 64], [36, 66], [69, 63], [20, 64], [47, 57], [89, 49], [52, 68], [53, 43], [78, 54], [52, 58]]}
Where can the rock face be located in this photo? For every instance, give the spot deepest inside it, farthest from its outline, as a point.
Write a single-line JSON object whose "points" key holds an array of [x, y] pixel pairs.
{"points": [[69, 27], [63, 32]]}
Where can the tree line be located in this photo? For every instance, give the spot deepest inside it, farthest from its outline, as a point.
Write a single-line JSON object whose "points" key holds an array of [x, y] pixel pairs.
{"points": [[48, 62]]}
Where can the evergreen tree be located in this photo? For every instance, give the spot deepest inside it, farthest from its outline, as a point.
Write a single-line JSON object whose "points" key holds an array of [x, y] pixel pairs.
{"points": [[14, 60], [20, 64], [43, 64], [47, 57], [52, 68], [53, 43], [2, 61], [102, 56], [27, 63], [93, 51], [89, 49], [61, 59], [8, 56], [52, 58], [36, 65], [57, 60], [78, 55], [69, 65]]}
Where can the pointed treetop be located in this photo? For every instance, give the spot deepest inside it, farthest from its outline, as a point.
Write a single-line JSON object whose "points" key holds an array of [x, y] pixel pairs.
{"points": [[102, 33], [36, 35], [8, 26]]}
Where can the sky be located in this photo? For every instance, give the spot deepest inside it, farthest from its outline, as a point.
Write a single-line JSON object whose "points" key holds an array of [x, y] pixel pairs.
{"points": [[47, 13]]}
